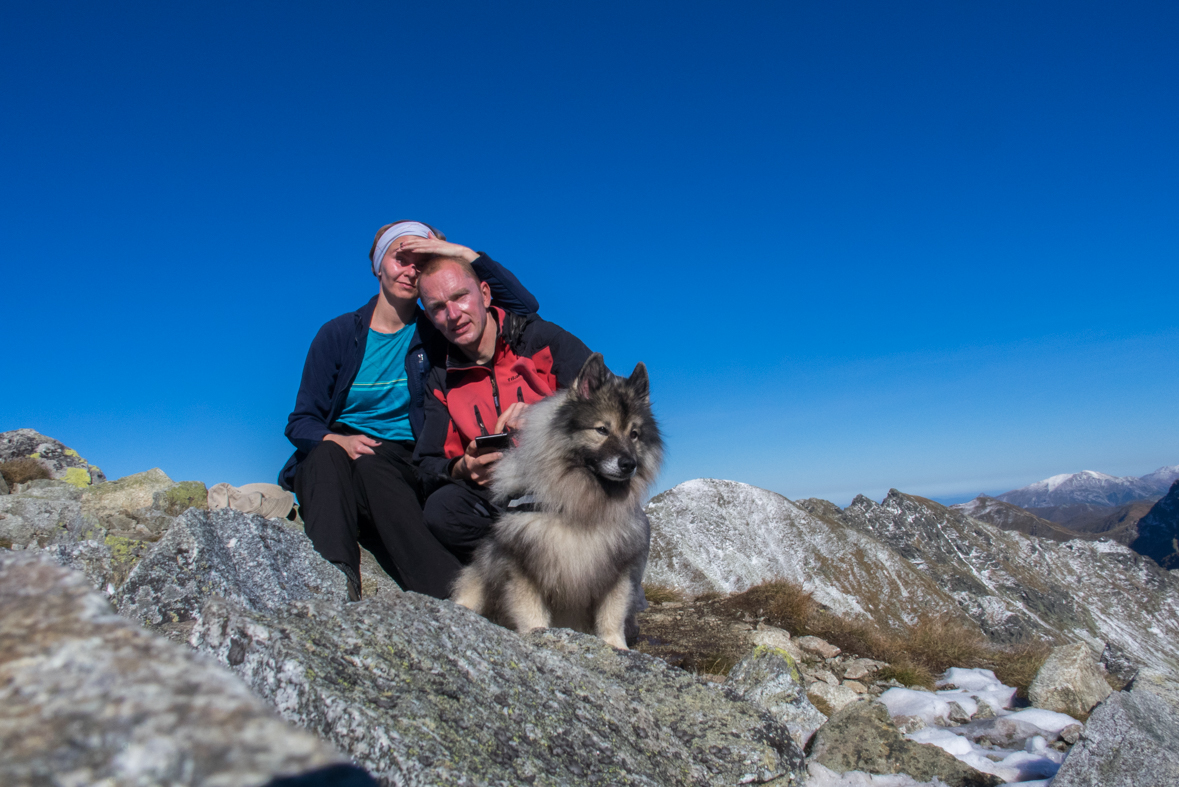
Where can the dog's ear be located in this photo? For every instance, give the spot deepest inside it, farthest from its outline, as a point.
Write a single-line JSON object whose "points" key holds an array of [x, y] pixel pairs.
{"points": [[638, 381], [593, 375]]}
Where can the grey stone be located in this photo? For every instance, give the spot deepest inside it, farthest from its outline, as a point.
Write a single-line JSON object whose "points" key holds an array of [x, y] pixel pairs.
{"points": [[819, 647], [770, 679], [259, 563], [87, 697], [60, 461], [4, 490], [1001, 732], [420, 691], [1130, 740], [829, 699], [1119, 664], [958, 714], [861, 737], [1069, 681], [773, 637], [32, 519], [858, 669], [125, 494]]}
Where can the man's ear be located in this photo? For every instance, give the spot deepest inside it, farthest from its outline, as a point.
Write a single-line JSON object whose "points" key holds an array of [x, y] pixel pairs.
{"points": [[638, 381], [593, 375], [485, 288]]}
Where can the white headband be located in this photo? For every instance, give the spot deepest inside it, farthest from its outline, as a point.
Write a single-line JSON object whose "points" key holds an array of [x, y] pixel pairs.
{"points": [[401, 228]]}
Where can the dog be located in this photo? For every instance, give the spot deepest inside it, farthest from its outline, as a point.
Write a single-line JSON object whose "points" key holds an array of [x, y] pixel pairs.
{"points": [[574, 557]]}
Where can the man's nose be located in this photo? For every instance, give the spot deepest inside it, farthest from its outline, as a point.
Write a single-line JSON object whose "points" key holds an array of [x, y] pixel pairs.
{"points": [[453, 312]]}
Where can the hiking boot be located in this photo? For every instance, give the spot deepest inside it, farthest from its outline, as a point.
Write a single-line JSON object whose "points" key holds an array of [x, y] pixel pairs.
{"points": [[353, 580]]}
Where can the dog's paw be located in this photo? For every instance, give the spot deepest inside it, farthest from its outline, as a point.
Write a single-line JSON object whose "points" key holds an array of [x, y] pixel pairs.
{"points": [[616, 642]]}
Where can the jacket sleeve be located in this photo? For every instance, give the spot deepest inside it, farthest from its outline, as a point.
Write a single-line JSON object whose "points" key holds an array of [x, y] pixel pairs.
{"points": [[430, 452], [308, 422], [569, 353], [506, 289]]}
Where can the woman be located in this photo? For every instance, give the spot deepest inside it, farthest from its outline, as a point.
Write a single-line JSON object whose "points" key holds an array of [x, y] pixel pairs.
{"points": [[360, 408]]}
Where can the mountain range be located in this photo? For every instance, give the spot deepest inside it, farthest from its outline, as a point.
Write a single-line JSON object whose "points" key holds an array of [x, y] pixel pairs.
{"points": [[1089, 487]]}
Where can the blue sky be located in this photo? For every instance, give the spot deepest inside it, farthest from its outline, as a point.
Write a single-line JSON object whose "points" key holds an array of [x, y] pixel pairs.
{"points": [[929, 246]]}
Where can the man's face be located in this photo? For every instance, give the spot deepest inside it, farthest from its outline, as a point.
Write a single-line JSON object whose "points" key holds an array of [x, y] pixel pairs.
{"points": [[399, 273], [456, 304]]}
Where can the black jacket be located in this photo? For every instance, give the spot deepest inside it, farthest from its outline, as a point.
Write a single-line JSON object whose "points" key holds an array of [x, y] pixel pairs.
{"points": [[338, 350]]}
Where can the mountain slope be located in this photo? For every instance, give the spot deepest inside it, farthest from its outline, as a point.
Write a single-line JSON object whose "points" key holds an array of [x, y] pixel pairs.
{"points": [[1011, 517], [908, 556], [1158, 531], [1093, 488]]}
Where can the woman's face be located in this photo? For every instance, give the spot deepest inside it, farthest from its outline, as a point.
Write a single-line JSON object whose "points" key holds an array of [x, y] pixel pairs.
{"points": [[399, 272]]}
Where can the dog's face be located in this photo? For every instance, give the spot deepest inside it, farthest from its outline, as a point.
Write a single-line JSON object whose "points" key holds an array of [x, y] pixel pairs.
{"points": [[610, 422]]}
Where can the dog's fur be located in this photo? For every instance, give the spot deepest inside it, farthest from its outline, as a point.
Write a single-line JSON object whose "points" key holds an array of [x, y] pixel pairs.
{"points": [[587, 455]]}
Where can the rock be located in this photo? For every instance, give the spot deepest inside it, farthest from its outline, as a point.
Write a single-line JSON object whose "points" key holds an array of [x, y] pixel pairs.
{"points": [[4, 490], [30, 518], [1002, 732], [1118, 664], [87, 697], [1069, 681], [1130, 740], [61, 462], [819, 647], [907, 724], [860, 737], [770, 679], [858, 669], [958, 714], [773, 637], [825, 675], [829, 699], [258, 563], [178, 498], [420, 691], [1072, 733], [855, 685], [126, 494]]}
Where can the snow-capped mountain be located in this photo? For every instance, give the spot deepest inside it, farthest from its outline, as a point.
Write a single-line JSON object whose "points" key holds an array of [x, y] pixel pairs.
{"points": [[1091, 487]]}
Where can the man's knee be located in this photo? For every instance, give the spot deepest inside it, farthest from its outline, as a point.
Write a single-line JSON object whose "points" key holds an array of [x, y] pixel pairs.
{"points": [[459, 518]]}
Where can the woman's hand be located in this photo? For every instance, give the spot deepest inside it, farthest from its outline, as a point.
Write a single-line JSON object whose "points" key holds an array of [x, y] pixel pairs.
{"points": [[414, 245], [356, 445]]}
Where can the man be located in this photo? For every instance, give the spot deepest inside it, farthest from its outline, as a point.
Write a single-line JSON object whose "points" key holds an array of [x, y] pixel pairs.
{"points": [[359, 409], [497, 364]]}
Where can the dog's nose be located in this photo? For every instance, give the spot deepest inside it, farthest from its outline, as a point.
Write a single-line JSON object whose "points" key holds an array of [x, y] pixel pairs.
{"points": [[627, 465]]}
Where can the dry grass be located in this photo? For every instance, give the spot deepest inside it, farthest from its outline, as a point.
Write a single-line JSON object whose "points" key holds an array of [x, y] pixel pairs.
{"points": [[714, 664], [940, 643], [708, 595], [780, 603], [906, 672], [661, 594], [1017, 666], [23, 470]]}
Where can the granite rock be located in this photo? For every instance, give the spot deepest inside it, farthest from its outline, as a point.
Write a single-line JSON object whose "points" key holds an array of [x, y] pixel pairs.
{"points": [[87, 697], [258, 563], [770, 679], [1130, 740], [861, 737], [1070, 681], [828, 698], [420, 691]]}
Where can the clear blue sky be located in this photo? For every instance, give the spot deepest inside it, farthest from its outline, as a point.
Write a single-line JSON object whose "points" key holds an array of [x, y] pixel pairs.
{"points": [[922, 245]]}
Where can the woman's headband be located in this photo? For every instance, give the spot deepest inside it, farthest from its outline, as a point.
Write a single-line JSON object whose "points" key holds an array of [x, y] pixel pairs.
{"points": [[398, 230]]}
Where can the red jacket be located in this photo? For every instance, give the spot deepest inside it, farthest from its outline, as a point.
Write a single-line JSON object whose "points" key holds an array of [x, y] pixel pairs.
{"points": [[533, 358]]}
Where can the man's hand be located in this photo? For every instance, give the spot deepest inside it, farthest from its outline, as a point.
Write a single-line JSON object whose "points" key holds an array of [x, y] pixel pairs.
{"points": [[512, 418], [415, 248], [355, 444], [476, 465]]}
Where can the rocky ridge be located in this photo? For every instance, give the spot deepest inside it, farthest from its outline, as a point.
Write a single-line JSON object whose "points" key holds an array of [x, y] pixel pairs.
{"points": [[1158, 531], [1091, 487]]}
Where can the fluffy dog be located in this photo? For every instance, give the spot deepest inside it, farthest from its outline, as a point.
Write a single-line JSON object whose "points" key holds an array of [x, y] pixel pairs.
{"points": [[575, 557]]}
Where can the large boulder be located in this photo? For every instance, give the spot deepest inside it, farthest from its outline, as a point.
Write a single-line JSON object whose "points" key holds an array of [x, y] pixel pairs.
{"points": [[87, 697], [61, 462], [420, 691], [259, 563], [862, 737], [1130, 740], [1070, 681], [770, 679]]}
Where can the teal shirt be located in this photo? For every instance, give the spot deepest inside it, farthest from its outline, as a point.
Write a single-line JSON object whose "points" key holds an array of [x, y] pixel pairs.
{"points": [[378, 402]]}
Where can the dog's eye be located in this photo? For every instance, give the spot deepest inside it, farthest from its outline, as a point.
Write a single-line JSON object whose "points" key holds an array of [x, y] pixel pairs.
{"points": [[603, 430], [634, 434]]}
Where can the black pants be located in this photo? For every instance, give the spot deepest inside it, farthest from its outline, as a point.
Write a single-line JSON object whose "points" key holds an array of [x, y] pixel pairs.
{"points": [[372, 502], [460, 517]]}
